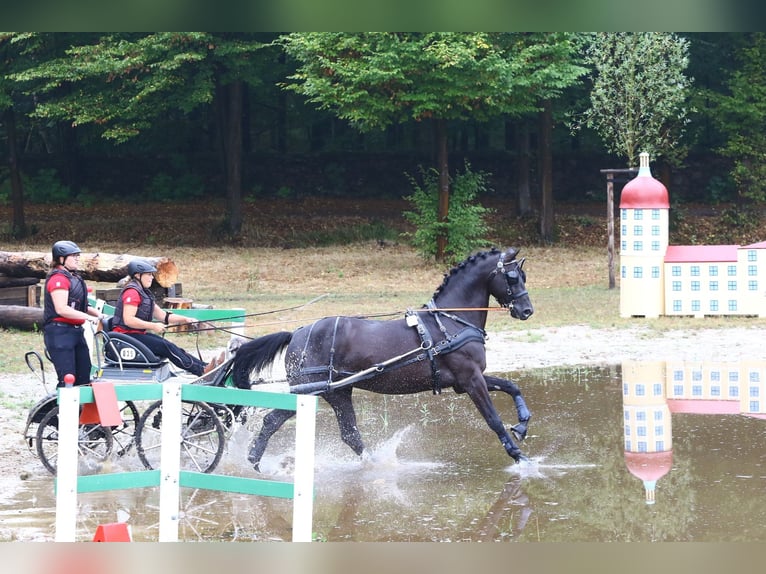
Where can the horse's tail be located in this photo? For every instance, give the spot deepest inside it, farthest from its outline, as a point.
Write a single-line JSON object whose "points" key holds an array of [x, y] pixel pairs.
{"points": [[257, 354]]}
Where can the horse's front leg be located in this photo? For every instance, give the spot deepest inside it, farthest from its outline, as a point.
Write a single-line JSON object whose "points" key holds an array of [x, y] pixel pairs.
{"points": [[478, 391], [498, 384]]}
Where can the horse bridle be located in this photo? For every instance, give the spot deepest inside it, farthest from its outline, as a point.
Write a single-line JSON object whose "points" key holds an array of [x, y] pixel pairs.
{"points": [[512, 277]]}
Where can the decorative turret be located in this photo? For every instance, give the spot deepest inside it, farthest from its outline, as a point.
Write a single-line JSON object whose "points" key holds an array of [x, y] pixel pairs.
{"points": [[644, 216], [643, 191]]}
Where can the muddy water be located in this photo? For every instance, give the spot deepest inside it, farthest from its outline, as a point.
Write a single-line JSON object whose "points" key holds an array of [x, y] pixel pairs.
{"points": [[438, 474]]}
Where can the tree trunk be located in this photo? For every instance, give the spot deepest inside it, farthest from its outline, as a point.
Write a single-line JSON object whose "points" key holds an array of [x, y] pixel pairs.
{"points": [[230, 102], [522, 169], [546, 174], [101, 267], [18, 224], [21, 317], [443, 167]]}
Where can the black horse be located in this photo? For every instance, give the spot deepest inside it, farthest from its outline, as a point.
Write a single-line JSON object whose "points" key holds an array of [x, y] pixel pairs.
{"points": [[438, 346]]}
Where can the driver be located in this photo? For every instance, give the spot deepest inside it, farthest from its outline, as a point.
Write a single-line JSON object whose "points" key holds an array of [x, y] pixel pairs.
{"points": [[65, 310], [137, 314]]}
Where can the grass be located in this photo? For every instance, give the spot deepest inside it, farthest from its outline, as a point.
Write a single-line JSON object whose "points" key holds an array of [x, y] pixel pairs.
{"points": [[568, 286]]}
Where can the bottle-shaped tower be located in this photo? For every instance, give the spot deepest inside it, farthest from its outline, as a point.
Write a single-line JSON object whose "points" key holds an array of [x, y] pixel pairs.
{"points": [[644, 212]]}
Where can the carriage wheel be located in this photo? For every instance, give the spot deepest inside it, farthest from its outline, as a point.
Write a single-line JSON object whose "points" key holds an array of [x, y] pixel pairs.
{"points": [[203, 437], [124, 434], [93, 441]]}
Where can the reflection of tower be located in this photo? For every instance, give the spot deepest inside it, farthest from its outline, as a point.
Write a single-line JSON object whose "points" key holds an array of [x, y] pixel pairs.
{"points": [[644, 213], [648, 428]]}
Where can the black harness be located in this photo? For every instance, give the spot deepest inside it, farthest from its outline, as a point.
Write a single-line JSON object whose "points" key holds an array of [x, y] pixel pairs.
{"points": [[451, 342]]}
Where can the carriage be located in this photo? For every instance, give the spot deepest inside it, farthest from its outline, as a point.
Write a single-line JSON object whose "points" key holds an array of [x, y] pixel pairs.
{"points": [[436, 347], [122, 358]]}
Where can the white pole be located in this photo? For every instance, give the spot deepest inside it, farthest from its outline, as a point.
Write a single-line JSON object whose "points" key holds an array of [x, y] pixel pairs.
{"points": [[303, 482], [66, 464], [170, 460]]}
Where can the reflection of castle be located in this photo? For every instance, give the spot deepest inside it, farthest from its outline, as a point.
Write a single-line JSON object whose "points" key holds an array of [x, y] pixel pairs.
{"points": [[660, 279], [653, 390]]}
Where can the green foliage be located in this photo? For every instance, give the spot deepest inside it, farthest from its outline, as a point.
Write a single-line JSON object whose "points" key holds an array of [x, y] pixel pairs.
{"points": [[378, 78], [741, 116], [465, 228], [120, 82], [41, 187], [179, 184], [720, 189], [639, 93]]}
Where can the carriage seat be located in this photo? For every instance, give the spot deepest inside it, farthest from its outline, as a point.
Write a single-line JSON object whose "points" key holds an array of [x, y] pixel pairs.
{"points": [[123, 350]]}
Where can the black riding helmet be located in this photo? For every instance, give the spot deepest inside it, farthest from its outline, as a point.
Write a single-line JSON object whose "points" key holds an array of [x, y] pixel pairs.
{"points": [[64, 249], [140, 266]]}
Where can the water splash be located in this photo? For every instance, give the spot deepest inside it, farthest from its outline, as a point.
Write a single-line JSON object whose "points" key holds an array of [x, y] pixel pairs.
{"points": [[537, 468]]}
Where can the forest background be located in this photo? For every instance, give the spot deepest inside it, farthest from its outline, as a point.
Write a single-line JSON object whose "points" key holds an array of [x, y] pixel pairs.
{"points": [[108, 122]]}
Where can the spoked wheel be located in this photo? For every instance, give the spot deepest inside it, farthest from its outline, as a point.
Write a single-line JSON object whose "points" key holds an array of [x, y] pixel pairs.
{"points": [[94, 442], [203, 437], [124, 434]]}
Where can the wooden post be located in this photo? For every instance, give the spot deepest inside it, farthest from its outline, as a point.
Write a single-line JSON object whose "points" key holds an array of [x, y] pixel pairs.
{"points": [[630, 172], [610, 227]]}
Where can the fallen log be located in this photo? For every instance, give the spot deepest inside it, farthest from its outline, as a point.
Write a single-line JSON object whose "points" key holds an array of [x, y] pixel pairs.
{"points": [[17, 281], [21, 317], [102, 267]]}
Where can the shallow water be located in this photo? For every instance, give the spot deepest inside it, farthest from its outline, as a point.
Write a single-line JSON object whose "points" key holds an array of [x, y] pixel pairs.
{"points": [[439, 474]]}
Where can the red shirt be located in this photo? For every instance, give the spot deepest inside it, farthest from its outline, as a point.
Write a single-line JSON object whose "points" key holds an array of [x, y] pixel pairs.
{"points": [[133, 298]]}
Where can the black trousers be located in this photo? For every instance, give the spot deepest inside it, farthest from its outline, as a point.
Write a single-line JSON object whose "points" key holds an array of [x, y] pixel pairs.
{"points": [[69, 352], [169, 350]]}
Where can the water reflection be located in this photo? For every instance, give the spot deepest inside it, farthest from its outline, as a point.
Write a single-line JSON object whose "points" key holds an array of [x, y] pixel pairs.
{"points": [[603, 442], [654, 390]]}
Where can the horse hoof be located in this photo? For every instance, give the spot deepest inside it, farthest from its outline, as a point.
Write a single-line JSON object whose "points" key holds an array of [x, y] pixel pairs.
{"points": [[256, 463], [519, 457], [519, 431]]}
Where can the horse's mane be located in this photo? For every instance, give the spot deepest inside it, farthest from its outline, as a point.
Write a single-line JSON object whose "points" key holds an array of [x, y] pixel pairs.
{"points": [[471, 259]]}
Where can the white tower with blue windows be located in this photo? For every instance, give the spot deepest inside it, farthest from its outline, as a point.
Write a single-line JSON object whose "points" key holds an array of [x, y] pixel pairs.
{"points": [[644, 223]]}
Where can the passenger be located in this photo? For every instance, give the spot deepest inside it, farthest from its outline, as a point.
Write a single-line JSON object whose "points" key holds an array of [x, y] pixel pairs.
{"points": [[137, 314], [65, 310]]}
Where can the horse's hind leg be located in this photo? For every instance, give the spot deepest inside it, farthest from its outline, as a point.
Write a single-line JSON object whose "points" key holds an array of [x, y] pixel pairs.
{"points": [[271, 424], [498, 384], [340, 401]]}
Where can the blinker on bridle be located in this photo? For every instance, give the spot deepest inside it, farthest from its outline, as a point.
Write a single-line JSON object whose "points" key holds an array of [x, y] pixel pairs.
{"points": [[511, 277]]}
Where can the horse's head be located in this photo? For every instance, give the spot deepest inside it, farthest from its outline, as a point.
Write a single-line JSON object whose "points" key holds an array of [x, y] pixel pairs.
{"points": [[511, 292]]}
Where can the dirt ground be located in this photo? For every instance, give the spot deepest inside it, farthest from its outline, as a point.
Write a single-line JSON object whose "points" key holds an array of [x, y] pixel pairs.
{"points": [[507, 351]]}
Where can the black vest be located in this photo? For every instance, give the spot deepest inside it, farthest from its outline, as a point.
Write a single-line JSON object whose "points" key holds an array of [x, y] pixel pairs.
{"points": [[77, 299], [145, 308]]}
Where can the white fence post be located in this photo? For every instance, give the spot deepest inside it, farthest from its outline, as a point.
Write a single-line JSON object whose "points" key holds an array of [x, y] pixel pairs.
{"points": [[170, 458], [303, 482], [66, 464]]}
